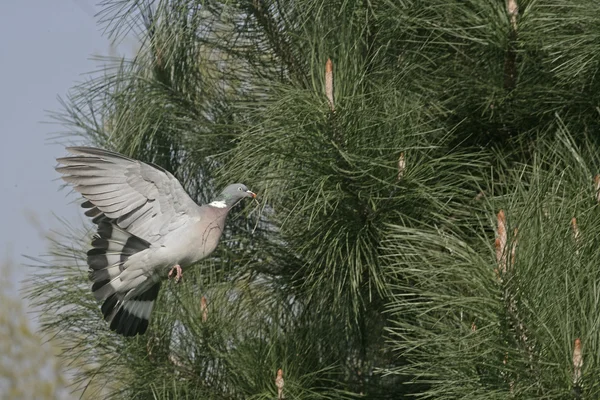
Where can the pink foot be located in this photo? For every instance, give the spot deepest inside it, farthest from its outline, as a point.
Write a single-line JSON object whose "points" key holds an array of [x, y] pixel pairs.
{"points": [[178, 273]]}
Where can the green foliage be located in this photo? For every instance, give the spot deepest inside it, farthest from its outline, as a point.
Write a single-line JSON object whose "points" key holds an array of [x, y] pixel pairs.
{"points": [[368, 269], [29, 368], [466, 329]]}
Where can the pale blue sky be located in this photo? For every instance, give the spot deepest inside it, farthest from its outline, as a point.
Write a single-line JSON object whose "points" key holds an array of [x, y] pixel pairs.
{"points": [[45, 48]]}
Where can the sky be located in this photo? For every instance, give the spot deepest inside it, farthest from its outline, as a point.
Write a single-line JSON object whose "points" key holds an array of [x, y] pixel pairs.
{"points": [[46, 48]]}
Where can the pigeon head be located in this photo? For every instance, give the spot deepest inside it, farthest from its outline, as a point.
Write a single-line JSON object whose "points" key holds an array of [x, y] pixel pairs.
{"points": [[231, 195]]}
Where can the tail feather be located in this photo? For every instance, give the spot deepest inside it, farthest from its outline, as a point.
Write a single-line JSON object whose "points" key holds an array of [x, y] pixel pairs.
{"points": [[130, 317], [108, 273], [111, 248], [127, 311], [92, 211]]}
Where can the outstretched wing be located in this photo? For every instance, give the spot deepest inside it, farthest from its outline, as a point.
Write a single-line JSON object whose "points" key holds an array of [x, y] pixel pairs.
{"points": [[145, 200]]}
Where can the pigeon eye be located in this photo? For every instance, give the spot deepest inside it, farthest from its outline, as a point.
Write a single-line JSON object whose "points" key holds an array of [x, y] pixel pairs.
{"points": [[240, 188]]}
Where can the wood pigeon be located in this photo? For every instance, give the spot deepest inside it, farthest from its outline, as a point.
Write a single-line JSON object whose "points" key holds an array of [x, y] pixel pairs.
{"points": [[148, 229]]}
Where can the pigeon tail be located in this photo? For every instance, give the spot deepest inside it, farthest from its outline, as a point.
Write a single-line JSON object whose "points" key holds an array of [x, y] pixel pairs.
{"points": [[130, 317], [128, 312], [111, 248]]}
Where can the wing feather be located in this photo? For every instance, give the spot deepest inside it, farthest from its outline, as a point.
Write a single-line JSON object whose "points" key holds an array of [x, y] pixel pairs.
{"points": [[100, 192], [146, 200], [83, 170], [130, 218], [94, 180]]}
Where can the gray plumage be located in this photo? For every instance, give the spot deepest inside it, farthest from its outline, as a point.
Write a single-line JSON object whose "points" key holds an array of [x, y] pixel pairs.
{"points": [[146, 225]]}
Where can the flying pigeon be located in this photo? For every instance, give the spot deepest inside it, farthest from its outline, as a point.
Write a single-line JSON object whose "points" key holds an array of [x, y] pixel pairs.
{"points": [[148, 229]]}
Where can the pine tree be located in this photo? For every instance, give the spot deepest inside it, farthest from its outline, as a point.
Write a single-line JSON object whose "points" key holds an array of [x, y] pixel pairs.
{"points": [[28, 367], [427, 213]]}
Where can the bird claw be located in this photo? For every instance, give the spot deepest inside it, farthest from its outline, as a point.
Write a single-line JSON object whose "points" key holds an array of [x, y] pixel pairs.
{"points": [[178, 273]]}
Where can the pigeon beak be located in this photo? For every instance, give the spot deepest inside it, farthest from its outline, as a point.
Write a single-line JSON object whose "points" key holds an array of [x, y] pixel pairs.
{"points": [[252, 194]]}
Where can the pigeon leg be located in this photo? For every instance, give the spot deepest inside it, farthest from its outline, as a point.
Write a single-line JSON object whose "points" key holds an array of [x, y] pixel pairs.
{"points": [[178, 273]]}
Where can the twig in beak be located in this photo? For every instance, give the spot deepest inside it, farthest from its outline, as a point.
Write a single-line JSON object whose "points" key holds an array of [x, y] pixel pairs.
{"points": [[255, 200]]}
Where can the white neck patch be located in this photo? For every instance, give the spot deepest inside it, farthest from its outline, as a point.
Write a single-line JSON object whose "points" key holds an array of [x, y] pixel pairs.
{"points": [[218, 204]]}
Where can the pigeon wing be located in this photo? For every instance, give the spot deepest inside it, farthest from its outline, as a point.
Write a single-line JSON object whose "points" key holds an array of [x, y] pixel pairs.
{"points": [[145, 200]]}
